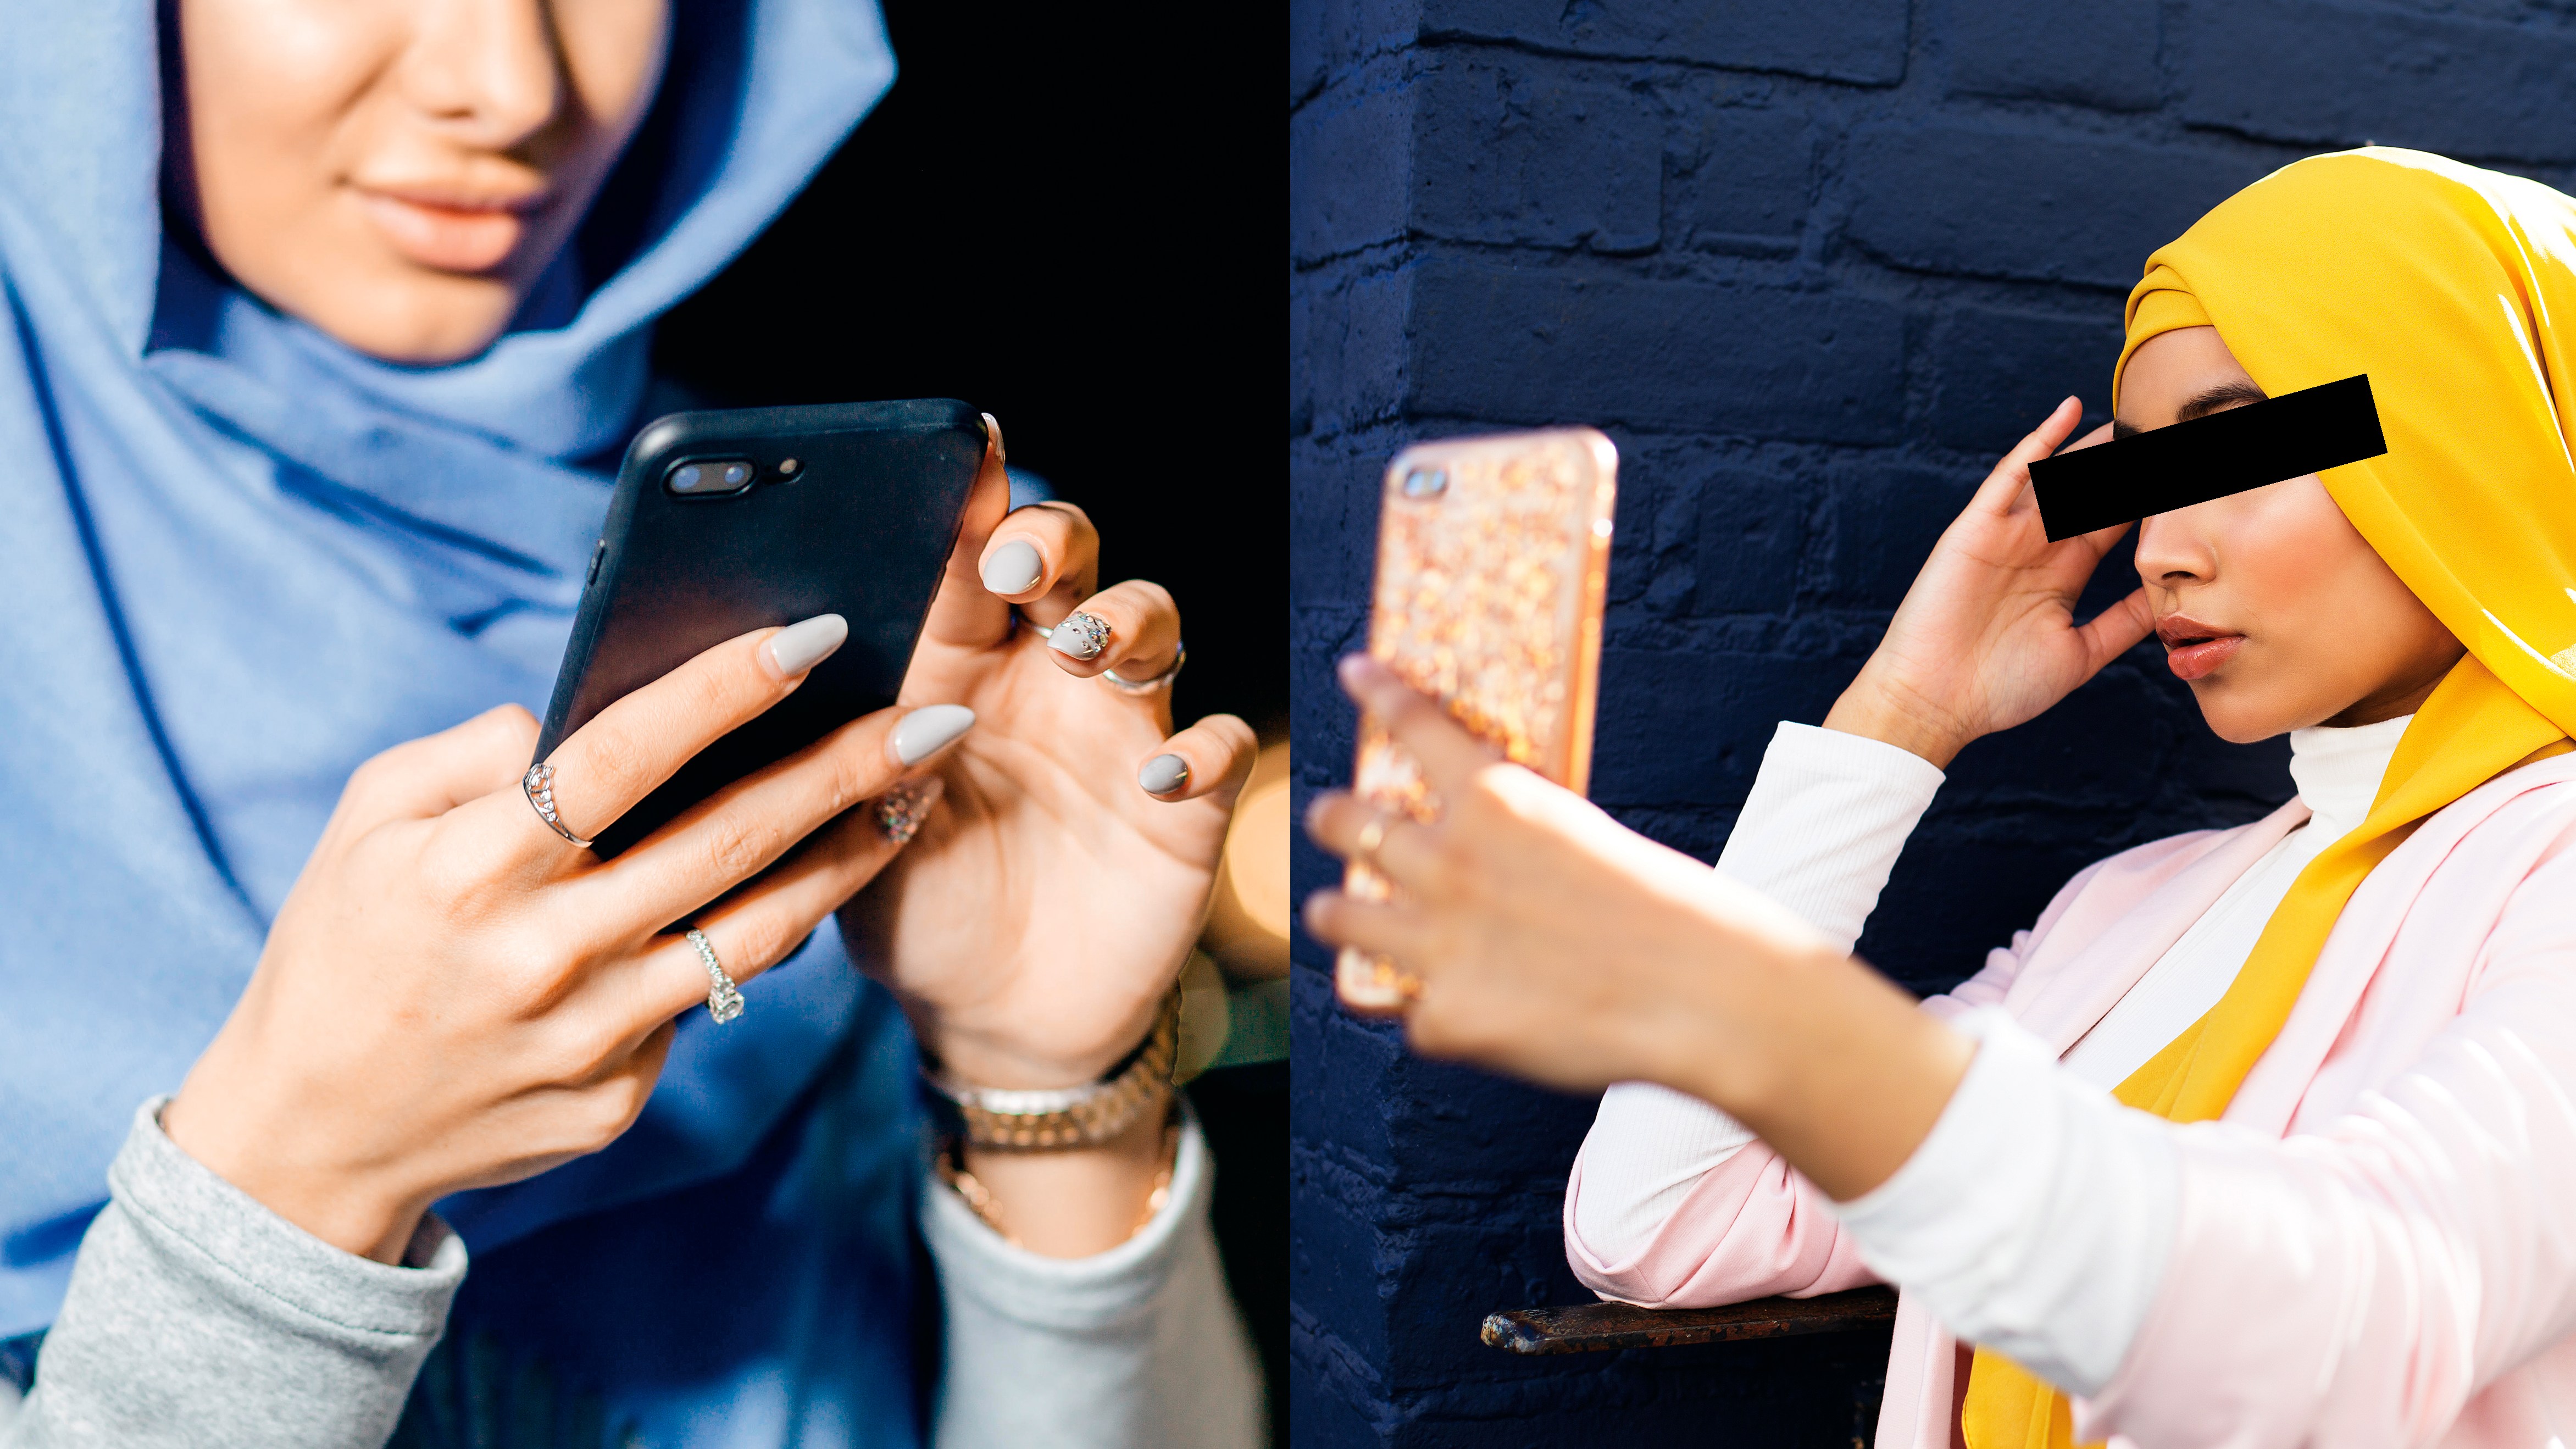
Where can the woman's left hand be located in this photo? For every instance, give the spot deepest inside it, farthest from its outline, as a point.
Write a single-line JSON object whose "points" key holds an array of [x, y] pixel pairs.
{"points": [[1541, 937], [1034, 926]]}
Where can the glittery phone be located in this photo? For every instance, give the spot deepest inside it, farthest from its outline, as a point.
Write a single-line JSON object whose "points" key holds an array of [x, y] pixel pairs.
{"points": [[1493, 559]]}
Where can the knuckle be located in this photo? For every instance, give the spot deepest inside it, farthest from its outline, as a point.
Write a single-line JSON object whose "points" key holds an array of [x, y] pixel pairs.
{"points": [[1149, 598], [758, 943], [1076, 521], [736, 845], [608, 1109], [513, 729], [613, 753], [854, 772]]}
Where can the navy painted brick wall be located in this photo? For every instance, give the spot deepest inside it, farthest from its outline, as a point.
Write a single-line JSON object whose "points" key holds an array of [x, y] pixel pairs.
{"points": [[1812, 266]]}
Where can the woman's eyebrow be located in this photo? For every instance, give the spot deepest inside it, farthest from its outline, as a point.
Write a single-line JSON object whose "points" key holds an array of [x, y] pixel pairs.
{"points": [[2121, 432], [2224, 395]]}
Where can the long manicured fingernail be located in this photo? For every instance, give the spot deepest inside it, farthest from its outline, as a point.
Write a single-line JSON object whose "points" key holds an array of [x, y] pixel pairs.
{"points": [[1359, 671], [1163, 774], [1080, 636], [800, 646], [901, 810], [926, 731], [993, 427], [1013, 568]]}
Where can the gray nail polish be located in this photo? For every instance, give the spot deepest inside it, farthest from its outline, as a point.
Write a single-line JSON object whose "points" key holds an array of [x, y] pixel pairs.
{"points": [[1079, 636], [1012, 568], [802, 645], [921, 734], [1163, 774]]}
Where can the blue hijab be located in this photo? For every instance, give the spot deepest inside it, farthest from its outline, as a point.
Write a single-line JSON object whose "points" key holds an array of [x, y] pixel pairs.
{"points": [[236, 559]]}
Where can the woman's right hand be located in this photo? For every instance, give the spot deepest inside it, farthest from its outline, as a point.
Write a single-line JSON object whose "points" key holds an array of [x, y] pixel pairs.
{"points": [[453, 996], [1986, 638]]}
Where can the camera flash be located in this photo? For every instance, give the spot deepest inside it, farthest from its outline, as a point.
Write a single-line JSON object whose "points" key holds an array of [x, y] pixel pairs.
{"points": [[787, 467]]}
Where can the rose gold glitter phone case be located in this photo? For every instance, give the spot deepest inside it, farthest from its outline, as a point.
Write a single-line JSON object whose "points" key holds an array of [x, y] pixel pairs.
{"points": [[1493, 555]]}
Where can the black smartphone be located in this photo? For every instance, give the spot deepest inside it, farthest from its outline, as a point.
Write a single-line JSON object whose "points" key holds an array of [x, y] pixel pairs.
{"points": [[725, 522]]}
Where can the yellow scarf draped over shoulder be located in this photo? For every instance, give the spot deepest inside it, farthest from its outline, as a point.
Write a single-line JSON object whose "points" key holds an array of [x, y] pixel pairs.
{"points": [[2444, 283]]}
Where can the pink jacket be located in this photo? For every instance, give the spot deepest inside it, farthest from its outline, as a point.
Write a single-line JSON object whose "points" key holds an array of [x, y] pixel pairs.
{"points": [[2375, 1246]]}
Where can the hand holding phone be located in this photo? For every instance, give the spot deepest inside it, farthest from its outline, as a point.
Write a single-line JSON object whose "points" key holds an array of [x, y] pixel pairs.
{"points": [[453, 996], [1492, 568]]}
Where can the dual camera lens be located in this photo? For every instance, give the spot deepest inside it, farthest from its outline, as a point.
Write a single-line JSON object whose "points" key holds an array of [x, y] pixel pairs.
{"points": [[723, 476], [720, 475]]}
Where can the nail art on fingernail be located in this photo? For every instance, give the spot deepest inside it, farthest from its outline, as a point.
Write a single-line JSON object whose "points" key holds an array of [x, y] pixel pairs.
{"points": [[1163, 774], [925, 731], [1080, 636], [802, 645], [993, 429], [901, 810], [1013, 568]]}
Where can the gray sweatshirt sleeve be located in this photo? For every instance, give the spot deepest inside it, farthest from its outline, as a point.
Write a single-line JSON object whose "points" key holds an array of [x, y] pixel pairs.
{"points": [[1135, 1348], [197, 1317]]}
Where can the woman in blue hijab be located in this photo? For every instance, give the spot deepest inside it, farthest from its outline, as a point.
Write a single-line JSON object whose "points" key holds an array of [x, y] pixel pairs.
{"points": [[325, 324]]}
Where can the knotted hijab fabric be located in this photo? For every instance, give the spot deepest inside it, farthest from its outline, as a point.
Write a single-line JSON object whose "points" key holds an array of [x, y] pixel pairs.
{"points": [[2445, 284], [236, 559]]}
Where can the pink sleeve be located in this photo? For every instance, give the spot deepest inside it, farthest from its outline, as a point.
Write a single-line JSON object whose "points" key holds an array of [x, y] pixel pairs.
{"points": [[2359, 1284], [1753, 1226]]}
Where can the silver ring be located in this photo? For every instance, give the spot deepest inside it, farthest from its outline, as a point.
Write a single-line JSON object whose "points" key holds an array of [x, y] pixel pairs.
{"points": [[1155, 685], [724, 1002], [1090, 631], [539, 786]]}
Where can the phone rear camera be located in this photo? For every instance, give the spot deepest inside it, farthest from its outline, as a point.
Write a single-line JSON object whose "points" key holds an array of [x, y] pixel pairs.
{"points": [[720, 476], [1425, 483]]}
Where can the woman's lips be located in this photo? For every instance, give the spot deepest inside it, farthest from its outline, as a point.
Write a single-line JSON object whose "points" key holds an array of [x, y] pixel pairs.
{"points": [[2192, 648], [446, 235], [2191, 661]]}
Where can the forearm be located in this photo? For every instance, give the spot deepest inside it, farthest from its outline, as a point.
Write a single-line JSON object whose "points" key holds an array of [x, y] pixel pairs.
{"points": [[1831, 1064], [196, 1316]]}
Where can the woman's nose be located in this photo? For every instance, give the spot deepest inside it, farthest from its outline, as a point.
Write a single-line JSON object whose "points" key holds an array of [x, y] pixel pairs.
{"points": [[487, 66], [2173, 549]]}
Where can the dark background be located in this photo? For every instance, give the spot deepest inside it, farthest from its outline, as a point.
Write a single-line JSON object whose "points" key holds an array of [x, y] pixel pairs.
{"points": [[1812, 267], [1051, 215]]}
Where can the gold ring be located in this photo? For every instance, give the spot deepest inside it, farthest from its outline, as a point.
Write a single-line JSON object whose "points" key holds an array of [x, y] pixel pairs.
{"points": [[1372, 835]]}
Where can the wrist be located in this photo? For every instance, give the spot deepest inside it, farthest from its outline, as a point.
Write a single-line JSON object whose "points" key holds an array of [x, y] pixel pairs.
{"points": [[1080, 1201], [1893, 714], [357, 1212], [1013, 1061]]}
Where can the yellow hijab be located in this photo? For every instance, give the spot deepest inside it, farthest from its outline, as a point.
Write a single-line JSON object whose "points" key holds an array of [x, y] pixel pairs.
{"points": [[2442, 282]]}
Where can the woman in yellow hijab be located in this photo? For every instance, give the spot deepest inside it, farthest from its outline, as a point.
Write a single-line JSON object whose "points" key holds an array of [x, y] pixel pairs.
{"points": [[2259, 1137]]}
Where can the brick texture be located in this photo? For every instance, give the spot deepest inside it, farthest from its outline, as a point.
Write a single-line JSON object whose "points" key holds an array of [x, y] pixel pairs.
{"points": [[1812, 267]]}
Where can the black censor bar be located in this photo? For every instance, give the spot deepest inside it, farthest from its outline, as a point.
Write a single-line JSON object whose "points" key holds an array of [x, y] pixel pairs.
{"points": [[2227, 452]]}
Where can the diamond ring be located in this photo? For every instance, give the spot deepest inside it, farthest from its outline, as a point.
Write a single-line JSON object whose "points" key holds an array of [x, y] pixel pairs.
{"points": [[539, 786], [724, 1002]]}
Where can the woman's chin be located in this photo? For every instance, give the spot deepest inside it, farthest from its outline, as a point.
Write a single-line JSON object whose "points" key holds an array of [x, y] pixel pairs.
{"points": [[424, 319], [2237, 714]]}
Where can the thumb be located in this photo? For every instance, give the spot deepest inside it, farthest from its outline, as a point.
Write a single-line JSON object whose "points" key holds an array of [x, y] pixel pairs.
{"points": [[2116, 630]]}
